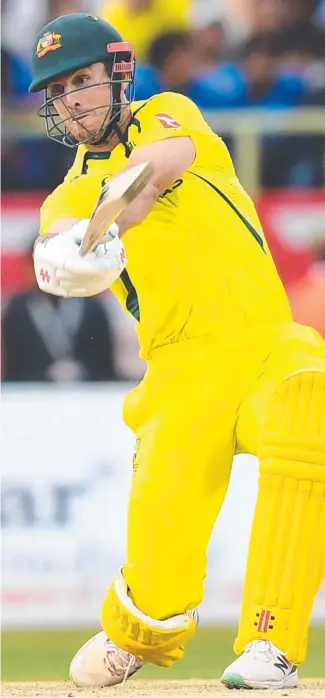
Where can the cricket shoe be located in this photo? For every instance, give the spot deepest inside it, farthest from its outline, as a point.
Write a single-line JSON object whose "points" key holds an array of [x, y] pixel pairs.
{"points": [[99, 662], [261, 665]]}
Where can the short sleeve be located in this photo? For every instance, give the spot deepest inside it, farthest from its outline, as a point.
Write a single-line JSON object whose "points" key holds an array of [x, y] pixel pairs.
{"points": [[169, 115]]}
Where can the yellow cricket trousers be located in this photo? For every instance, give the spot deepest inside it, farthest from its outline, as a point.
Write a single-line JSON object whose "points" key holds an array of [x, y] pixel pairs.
{"points": [[199, 403]]}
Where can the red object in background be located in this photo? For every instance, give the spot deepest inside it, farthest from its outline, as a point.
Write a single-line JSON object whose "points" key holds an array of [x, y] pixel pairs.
{"points": [[20, 224], [291, 219], [13, 274], [307, 299]]}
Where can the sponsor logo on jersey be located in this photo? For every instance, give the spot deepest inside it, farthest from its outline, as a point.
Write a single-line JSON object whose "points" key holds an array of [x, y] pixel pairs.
{"points": [[167, 121], [50, 41], [174, 186]]}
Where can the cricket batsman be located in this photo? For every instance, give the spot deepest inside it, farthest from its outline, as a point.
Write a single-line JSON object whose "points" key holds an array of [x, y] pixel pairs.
{"points": [[228, 371]]}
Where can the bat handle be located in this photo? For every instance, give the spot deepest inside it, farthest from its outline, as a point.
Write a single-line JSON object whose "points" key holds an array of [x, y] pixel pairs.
{"points": [[113, 230], [84, 248]]}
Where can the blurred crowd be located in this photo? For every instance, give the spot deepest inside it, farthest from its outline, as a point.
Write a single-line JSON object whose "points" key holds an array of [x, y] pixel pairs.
{"points": [[225, 55]]}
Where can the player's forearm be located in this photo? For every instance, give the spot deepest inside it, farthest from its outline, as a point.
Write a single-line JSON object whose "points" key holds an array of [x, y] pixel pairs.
{"points": [[60, 226], [169, 160], [138, 210]]}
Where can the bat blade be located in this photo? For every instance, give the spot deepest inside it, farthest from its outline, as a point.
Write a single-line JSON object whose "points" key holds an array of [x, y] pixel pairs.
{"points": [[114, 197]]}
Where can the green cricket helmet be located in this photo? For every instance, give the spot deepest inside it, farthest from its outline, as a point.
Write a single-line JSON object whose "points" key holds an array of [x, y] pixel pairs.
{"points": [[71, 42]]}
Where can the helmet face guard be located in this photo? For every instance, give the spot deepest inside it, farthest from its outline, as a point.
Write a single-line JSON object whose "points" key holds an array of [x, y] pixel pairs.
{"points": [[120, 66]]}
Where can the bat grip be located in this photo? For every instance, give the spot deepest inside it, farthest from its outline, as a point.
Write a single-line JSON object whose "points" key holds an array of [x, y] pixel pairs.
{"points": [[112, 232]]}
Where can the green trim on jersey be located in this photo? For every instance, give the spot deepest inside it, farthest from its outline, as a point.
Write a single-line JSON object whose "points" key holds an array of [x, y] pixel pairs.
{"points": [[132, 301], [235, 209], [93, 156]]}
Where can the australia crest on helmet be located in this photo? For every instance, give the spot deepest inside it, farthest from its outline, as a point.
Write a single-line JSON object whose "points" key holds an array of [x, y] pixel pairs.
{"points": [[50, 41]]}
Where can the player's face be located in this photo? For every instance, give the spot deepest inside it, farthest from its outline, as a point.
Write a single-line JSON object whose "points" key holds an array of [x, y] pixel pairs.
{"points": [[82, 100]]}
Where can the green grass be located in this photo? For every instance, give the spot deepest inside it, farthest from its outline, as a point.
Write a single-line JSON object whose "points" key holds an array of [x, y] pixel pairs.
{"points": [[45, 655]]}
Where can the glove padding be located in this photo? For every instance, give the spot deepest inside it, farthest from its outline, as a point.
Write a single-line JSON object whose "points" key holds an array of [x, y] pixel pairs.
{"points": [[61, 271]]}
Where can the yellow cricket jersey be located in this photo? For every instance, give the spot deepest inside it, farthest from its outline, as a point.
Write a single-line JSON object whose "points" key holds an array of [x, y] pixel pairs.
{"points": [[199, 264], [143, 26]]}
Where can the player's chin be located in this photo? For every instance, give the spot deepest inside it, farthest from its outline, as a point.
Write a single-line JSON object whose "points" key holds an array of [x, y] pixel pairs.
{"points": [[87, 132], [84, 135]]}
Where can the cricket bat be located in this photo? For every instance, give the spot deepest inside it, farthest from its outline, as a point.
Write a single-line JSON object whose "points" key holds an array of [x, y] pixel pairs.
{"points": [[114, 197]]}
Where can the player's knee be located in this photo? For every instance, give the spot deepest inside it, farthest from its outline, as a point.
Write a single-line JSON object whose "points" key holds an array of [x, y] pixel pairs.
{"points": [[157, 641], [293, 435]]}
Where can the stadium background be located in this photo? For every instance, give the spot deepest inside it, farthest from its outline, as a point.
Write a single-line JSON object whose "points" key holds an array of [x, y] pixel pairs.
{"points": [[257, 70]]}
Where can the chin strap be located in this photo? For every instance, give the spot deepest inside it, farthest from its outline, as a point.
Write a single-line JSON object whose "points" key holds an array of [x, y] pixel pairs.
{"points": [[122, 137], [113, 125]]}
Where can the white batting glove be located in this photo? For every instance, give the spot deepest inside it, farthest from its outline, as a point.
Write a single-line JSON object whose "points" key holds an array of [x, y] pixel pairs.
{"points": [[61, 271]]}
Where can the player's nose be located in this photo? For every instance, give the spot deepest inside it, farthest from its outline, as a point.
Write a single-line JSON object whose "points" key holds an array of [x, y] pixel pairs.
{"points": [[72, 100]]}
